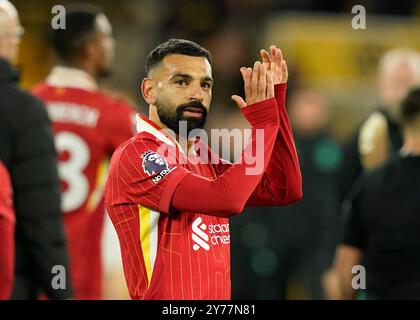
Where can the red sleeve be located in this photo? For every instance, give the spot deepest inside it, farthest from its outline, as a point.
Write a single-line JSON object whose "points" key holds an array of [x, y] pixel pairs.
{"points": [[120, 125], [6, 195], [141, 174], [7, 254], [7, 227], [227, 195], [282, 180]]}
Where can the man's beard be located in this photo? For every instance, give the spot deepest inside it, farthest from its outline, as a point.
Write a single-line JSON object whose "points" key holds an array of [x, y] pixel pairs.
{"points": [[105, 73], [172, 119]]}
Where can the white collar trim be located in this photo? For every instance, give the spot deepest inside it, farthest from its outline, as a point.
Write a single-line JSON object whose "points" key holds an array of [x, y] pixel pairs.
{"points": [[144, 126], [61, 76]]}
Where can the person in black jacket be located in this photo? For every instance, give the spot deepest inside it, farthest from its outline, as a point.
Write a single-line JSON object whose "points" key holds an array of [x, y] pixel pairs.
{"points": [[379, 252], [379, 136], [27, 150]]}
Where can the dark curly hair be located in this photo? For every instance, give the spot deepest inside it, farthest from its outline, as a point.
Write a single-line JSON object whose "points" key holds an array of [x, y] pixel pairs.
{"points": [[175, 46]]}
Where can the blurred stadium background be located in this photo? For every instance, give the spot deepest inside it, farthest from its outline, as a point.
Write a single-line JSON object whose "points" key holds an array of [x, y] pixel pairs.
{"points": [[331, 66]]}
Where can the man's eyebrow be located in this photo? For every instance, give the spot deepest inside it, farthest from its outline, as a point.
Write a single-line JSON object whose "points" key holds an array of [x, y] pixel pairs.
{"points": [[188, 76], [181, 75]]}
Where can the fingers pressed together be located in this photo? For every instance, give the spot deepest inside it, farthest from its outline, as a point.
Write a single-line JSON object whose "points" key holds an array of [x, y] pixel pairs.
{"points": [[259, 80]]}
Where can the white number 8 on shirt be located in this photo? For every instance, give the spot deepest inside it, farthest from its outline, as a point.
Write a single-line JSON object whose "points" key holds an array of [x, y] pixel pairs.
{"points": [[71, 170]]}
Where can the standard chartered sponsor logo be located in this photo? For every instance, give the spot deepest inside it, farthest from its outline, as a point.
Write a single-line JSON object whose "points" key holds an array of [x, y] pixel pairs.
{"points": [[199, 236], [219, 234]]}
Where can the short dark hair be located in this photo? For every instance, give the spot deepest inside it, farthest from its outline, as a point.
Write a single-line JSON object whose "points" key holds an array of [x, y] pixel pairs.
{"points": [[410, 106], [175, 46], [80, 28]]}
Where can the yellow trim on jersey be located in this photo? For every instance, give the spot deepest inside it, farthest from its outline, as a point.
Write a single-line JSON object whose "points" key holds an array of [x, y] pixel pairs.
{"points": [[149, 221], [145, 239], [98, 191]]}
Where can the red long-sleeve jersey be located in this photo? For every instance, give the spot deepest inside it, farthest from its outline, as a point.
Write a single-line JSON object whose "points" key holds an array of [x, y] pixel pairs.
{"points": [[7, 239], [171, 211]]}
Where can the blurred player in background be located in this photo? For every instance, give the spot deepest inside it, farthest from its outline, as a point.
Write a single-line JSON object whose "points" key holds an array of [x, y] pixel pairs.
{"points": [[382, 223], [27, 151], [380, 135], [88, 126], [171, 209], [7, 234]]}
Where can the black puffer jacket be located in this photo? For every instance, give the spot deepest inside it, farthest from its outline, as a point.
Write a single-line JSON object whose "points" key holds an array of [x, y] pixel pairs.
{"points": [[27, 150]]}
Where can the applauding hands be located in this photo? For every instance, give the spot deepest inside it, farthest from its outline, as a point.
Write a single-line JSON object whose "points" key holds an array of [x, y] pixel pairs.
{"points": [[275, 64], [259, 81]]}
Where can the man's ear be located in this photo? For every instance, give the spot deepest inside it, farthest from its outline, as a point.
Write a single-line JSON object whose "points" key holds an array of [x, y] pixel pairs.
{"points": [[148, 91], [89, 50]]}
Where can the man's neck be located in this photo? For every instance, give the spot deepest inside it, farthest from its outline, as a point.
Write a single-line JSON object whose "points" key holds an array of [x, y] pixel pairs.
{"points": [[411, 146], [153, 116], [7, 71], [5, 58]]}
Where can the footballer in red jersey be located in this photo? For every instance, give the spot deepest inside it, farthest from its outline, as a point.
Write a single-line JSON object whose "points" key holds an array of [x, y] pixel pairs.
{"points": [[88, 126], [170, 202], [7, 239]]}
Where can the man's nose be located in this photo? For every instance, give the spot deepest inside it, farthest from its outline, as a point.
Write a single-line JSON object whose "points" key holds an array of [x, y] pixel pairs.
{"points": [[197, 93]]}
